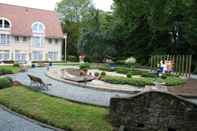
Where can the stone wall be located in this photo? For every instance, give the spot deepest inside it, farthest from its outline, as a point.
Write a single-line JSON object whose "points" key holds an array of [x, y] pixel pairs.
{"points": [[153, 111]]}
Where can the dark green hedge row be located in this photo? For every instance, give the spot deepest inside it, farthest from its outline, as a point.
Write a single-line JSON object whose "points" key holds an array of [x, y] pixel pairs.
{"points": [[141, 82], [5, 83]]}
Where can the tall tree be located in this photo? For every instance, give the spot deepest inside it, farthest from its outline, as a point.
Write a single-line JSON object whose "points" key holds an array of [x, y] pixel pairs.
{"points": [[72, 14]]}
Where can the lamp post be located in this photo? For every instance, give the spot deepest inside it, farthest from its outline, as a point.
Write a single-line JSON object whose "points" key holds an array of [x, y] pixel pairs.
{"points": [[65, 50]]}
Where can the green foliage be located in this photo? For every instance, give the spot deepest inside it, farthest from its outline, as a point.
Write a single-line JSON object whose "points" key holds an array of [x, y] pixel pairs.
{"points": [[103, 73], [173, 81], [129, 81], [105, 67], [5, 83], [84, 66], [123, 70], [96, 74], [73, 58], [16, 65], [166, 75], [8, 70], [129, 75]]}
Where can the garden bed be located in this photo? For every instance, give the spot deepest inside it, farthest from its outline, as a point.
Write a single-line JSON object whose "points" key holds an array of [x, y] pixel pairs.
{"points": [[143, 81], [4, 70], [54, 111]]}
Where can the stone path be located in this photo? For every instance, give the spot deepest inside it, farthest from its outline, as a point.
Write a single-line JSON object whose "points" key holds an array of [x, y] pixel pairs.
{"points": [[11, 122], [71, 92]]}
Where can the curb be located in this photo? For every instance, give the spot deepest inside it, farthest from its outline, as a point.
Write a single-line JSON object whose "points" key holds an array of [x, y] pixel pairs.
{"points": [[30, 119], [93, 87]]}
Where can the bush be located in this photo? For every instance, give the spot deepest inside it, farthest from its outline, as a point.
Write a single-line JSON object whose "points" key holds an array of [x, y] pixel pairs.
{"points": [[174, 81], [73, 59], [84, 66], [16, 65], [105, 68], [5, 83], [129, 75], [141, 82], [96, 74], [4, 71], [122, 70], [103, 73], [166, 75], [130, 61]]}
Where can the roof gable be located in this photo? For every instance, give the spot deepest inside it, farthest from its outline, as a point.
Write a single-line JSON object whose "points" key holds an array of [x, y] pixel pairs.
{"points": [[22, 19]]}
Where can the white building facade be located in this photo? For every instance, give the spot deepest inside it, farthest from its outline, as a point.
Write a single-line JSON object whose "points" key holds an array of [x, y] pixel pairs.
{"points": [[35, 38]]}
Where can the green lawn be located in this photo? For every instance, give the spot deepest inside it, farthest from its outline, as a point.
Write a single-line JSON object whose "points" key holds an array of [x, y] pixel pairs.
{"points": [[9, 69], [54, 111]]}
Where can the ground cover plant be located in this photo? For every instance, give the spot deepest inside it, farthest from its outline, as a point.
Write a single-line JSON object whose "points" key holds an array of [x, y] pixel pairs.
{"points": [[54, 111], [143, 81], [8, 70]]}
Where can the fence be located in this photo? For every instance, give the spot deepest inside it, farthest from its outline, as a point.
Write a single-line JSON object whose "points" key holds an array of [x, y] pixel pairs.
{"points": [[181, 63]]}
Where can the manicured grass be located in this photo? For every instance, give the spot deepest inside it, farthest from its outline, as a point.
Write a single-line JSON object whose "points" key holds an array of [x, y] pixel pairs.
{"points": [[8, 70], [57, 112]]}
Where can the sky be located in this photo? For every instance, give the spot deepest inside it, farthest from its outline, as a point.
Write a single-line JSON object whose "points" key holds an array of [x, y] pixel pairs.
{"points": [[50, 4]]}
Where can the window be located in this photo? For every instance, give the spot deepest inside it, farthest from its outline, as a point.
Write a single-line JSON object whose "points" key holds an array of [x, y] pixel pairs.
{"points": [[52, 56], [38, 27], [38, 42], [20, 56], [16, 38], [50, 40], [37, 55], [56, 41], [4, 39], [1, 23], [24, 38], [4, 55], [5, 23]]}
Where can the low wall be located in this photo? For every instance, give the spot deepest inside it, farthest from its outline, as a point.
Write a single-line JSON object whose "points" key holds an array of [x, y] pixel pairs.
{"points": [[153, 111]]}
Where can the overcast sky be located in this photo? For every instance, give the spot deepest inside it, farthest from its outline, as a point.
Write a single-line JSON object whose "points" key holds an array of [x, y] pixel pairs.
{"points": [[50, 4]]}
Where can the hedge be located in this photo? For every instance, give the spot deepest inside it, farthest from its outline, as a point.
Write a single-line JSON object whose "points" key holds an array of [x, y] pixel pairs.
{"points": [[141, 82], [5, 83]]}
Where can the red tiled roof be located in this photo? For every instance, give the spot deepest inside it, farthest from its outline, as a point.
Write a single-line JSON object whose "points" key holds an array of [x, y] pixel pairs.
{"points": [[22, 19]]}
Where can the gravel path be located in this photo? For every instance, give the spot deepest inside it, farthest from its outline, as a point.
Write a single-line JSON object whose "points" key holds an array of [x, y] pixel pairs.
{"points": [[71, 92], [11, 122]]}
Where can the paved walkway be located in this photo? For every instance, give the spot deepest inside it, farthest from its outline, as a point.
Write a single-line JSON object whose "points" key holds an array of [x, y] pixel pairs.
{"points": [[71, 92], [11, 122]]}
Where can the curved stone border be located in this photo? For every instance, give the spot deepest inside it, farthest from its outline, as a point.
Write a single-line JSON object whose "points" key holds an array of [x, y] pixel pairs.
{"points": [[30, 119], [92, 87]]}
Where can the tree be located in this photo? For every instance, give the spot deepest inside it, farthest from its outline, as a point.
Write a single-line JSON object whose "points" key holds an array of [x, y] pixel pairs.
{"points": [[72, 14], [149, 27], [95, 42]]}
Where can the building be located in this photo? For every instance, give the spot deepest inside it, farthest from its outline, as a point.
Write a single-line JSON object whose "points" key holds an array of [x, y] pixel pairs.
{"points": [[28, 34]]}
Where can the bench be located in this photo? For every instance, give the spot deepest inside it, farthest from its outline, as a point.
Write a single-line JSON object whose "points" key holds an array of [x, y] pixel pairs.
{"points": [[38, 83]]}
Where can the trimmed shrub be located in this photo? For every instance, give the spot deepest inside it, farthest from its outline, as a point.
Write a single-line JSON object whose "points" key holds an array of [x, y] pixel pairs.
{"points": [[129, 75], [84, 66], [105, 68], [141, 82], [166, 75], [96, 74], [130, 61], [103, 73], [16, 65], [174, 81], [5, 83], [122, 70], [4, 71]]}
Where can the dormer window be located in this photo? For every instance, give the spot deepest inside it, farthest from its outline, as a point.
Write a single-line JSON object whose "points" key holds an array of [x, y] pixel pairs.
{"points": [[38, 27], [5, 23]]}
